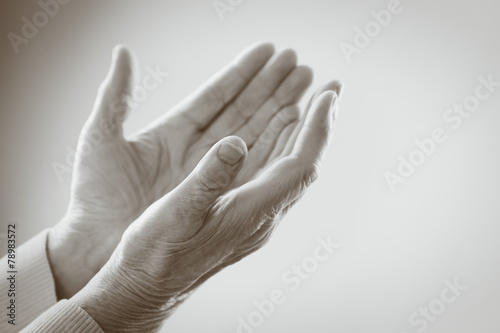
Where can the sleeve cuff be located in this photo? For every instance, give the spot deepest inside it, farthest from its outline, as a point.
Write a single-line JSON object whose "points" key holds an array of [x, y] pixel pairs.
{"points": [[35, 291], [64, 317]]}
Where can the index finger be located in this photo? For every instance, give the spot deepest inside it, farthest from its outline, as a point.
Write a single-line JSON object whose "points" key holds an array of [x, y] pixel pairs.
{"points": [[204, 104]]}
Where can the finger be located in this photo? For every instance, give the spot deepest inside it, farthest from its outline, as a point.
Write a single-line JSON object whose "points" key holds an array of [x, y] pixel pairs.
{"points": [[189, 202], [283, 139], [267, 140], [254, 95], [289, 92], [316, 132], [111, 105], [285, 182], [201, 107], [333, 86], [259, 153]]}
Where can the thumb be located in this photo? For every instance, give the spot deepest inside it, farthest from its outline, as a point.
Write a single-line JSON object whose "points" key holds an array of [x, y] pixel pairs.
{"points": [[112, 103], [215, 172], [186, 206]]}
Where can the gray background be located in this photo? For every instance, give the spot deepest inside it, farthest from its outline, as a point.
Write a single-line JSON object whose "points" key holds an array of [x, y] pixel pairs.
{"points": [[397, 247]]}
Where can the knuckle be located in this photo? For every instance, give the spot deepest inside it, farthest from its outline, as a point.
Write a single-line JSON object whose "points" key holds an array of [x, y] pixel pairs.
{"points": [[206, 183], [311, 173], [308, 171], [214, 181]]}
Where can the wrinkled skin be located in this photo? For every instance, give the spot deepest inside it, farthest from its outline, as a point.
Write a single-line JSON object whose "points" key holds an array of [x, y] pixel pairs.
{"points": [[254, 98], [210, 221]]}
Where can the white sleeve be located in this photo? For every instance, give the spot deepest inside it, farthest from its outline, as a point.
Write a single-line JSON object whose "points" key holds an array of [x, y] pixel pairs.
{"points": [[32, 289], [64, 317], [35, 302]]}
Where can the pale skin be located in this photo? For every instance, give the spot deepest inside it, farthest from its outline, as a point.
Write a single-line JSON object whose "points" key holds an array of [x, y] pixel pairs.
{"points": [[169, 221]]}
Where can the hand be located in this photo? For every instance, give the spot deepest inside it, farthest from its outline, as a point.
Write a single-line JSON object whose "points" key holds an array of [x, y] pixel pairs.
{"points": [[200, 227], [254, 97]]}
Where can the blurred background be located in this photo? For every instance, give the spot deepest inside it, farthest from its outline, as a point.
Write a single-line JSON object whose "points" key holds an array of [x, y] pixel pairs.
{"points": [[398, 246]]}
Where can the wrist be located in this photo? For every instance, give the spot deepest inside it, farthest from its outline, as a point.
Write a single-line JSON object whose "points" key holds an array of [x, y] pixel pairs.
{"points": [[119, 302], [73, 256], [65, 258]]}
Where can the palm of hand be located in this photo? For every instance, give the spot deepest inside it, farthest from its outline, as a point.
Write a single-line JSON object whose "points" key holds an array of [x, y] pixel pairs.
{"points": [[227, 207], [121, 177], [187, 237]]}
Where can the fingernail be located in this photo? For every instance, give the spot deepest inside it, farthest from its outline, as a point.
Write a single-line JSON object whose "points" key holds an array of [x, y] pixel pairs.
{"points": [[229, 153]]}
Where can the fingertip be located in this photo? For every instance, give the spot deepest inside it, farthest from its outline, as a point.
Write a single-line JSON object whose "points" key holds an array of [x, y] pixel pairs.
{"points": [[328, 85], [333, 96], [339, 87], [317, 128], [264, 47], [326, 100], [117, 49], [120, 77], [289, 55], [232, 150], [261, 51], [306, 73], [236, 140], [122, 54]]}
